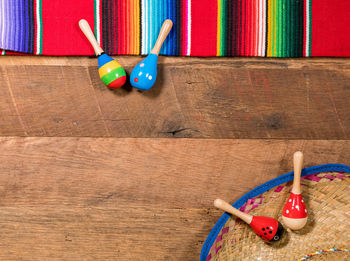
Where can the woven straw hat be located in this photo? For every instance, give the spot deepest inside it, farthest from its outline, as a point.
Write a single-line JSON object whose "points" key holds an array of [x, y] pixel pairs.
{"points": [[326, 236]]}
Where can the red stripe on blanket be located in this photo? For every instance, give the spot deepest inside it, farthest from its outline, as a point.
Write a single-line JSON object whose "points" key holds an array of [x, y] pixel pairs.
{"points": [[61, 33], [330, 28], [204, 28]]}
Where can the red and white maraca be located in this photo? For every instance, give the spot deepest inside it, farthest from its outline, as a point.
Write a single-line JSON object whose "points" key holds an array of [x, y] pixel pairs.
{"points": [[294, 214], [267, 228]]}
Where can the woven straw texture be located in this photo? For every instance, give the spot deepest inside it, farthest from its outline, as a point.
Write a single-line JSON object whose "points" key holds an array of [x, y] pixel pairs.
{"points": [[327, 197]]}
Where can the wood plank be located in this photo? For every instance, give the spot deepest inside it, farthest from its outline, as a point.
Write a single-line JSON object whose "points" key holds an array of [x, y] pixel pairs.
{"points": [[139, 199], [55, 101], [265, 103], [194, 97], [11, 121], [124, 233]]}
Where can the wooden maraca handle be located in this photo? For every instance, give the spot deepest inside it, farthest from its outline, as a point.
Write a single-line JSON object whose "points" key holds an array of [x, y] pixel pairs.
{"points": [[298, 159], [223, 205], [86, 29], [164, 31]]}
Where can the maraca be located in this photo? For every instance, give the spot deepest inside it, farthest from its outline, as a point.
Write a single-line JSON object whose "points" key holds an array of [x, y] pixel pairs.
{"points": [[294, 214], [269, 229], [111, 72], [144, 75]]}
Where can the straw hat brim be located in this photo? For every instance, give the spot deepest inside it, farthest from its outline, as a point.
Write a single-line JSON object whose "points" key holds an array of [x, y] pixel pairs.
{"points": [[326, 192]]}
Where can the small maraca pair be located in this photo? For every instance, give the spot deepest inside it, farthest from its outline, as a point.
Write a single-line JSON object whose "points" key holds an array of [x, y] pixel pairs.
{"points": [[113, 75], [294, 214]]}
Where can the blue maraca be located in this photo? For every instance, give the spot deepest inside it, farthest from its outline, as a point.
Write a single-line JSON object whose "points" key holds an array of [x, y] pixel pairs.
{"points": [[144, 75]]}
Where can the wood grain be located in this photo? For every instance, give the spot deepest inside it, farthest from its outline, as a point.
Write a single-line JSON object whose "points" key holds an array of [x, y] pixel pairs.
{"points": [[140, 233], [131, 199], [193, 97], [11, 122], [61, 102]]}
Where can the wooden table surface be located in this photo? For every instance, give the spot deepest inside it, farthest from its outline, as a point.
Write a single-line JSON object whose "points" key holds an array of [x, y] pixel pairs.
{"points": [[92, 174]]}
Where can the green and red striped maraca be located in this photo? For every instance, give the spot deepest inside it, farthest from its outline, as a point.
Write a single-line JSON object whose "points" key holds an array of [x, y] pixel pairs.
{"points": [[111, 72]]}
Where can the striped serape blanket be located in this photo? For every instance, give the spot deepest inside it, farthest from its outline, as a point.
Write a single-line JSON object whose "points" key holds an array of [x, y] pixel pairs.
{"points": [[267, 28]]}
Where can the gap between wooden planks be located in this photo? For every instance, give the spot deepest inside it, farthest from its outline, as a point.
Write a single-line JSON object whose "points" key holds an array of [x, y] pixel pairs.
{"points": [[139, 199]]}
